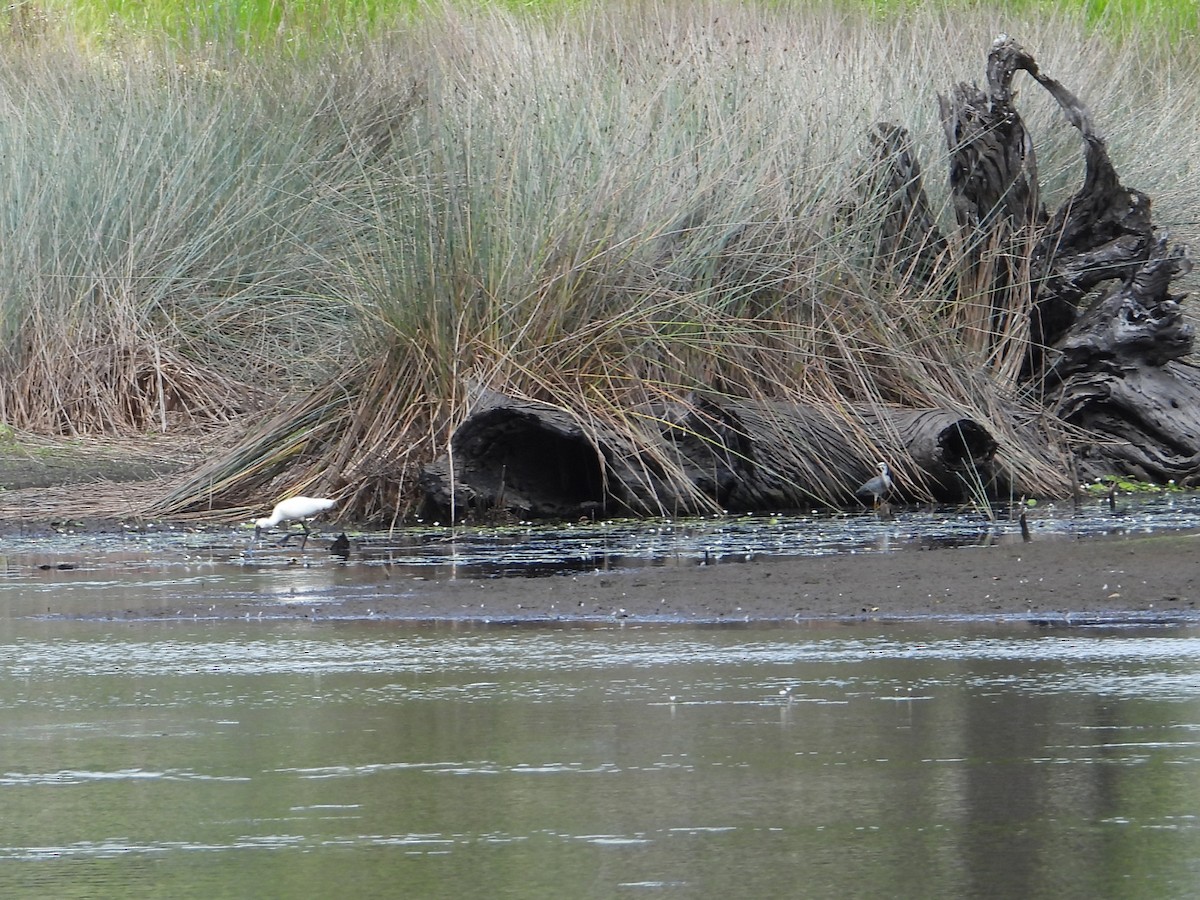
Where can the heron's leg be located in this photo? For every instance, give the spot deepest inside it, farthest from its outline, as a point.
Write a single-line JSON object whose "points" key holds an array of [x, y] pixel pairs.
{"points": [[288, 534], [307, 532]]}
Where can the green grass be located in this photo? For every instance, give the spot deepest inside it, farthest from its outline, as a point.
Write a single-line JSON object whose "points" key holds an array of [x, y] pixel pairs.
{"points": [[269, 23], [276, 22], [1170, 18], [193, 23]]}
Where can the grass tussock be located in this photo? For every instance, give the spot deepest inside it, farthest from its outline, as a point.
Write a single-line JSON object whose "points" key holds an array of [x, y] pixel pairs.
{"points": [[604, 208], [165, 249]]}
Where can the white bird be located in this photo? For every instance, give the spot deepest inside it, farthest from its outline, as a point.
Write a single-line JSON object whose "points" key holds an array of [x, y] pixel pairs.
{"points": [[878, 487], [294, 509]]}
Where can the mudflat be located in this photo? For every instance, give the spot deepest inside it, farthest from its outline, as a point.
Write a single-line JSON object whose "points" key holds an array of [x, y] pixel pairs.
{"points": [[1060, 581], [1153, 577]]}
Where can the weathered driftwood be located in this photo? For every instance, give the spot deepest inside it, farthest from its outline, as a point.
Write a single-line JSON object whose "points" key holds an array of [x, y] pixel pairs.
{"points": [[1101, 234], [763, 455], [1136, 325], [531, 459], [911, 247], [1103, 326], [521, 458], [1145, 423], [993, 169]]}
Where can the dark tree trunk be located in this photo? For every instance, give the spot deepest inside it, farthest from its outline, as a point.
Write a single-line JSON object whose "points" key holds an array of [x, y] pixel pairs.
{"points": [[1103, 325], [911, 247]]}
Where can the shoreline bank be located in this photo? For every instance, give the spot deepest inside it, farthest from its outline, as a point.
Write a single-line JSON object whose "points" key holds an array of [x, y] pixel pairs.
{"points": [[1145, 578]]}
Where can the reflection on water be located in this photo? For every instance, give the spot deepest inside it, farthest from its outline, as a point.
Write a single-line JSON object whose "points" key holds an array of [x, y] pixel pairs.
{"points": [[584, 546], [210, 760], [369, 758]]}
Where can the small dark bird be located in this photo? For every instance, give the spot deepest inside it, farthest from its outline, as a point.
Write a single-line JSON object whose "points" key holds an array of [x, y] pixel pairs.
{"points": [[341, 546], [878, 488]]}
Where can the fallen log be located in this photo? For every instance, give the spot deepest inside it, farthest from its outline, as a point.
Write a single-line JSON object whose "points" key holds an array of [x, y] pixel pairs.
{"points": [[1081, 296], [524, 459], [772, 455]]}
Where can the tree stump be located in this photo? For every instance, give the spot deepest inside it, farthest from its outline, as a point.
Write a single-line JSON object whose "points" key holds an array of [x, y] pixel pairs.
{"points": [[1104, 330]]}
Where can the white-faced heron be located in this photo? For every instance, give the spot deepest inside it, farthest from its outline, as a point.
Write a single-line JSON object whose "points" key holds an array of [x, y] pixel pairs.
{"points": [[878, 487]]}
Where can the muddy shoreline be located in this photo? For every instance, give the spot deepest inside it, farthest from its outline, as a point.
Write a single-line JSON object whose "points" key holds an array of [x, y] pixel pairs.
{"points": [[1110, 578], [1143, 579]]}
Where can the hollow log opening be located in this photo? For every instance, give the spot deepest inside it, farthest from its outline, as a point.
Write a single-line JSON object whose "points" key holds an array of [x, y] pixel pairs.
{"points": [[530, 465], [965, 443]]}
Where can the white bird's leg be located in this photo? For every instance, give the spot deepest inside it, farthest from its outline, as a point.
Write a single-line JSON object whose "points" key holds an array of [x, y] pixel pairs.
{"points": [[307, 532], [288, 534]]}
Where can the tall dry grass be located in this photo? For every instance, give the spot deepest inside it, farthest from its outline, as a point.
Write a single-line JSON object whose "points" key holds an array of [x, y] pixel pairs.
{"points": [[171, 238], [602, 208]]}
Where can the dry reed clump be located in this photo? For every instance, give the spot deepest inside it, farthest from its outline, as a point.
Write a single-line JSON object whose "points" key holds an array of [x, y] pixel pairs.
{"points": [[605, 209]]}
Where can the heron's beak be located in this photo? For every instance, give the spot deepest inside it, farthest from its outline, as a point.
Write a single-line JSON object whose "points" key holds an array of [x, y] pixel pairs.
{"points": [[258, 532]]}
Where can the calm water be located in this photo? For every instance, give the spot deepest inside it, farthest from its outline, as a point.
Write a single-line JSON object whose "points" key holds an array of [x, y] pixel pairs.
{"points": [[376, 759]]}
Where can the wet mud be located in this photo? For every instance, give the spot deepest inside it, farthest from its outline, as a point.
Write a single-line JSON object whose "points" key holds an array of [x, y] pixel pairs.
{"points": [[1139, 566]]}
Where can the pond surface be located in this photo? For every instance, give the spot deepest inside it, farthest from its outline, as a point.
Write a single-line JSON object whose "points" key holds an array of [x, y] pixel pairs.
{"points": [[211, 759], [370, 757]]}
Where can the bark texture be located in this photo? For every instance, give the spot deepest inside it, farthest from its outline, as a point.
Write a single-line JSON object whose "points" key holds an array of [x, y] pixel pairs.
{"points": [[1104, 330]]}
